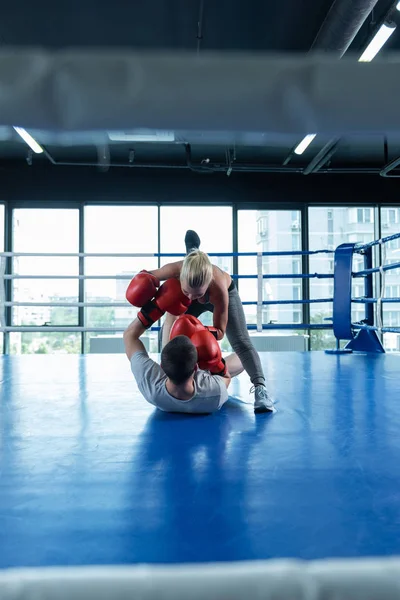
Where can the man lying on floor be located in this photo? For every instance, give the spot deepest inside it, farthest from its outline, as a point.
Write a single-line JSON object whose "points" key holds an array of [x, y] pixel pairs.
{"points": [[193, 377]]}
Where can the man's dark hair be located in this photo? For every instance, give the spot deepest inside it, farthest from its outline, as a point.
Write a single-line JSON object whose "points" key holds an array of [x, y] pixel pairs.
{"points": [[178, 359]]}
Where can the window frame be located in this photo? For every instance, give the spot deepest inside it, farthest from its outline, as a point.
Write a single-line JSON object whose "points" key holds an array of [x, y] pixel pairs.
{"points": [[267, 204]]}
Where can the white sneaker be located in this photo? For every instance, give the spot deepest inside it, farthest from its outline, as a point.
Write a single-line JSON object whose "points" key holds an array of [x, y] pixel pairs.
{"points": [[262, 401]]}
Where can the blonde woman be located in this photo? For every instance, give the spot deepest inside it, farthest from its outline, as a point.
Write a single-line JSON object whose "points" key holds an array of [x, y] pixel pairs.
{"points": [[211, 289]]}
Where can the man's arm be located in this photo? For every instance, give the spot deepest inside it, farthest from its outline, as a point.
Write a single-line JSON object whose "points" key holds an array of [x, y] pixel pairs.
{"points": [[227, 379], [131, 338]]}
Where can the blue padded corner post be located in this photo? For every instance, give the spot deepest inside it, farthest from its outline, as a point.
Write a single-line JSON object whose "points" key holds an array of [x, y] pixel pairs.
{"points": [[367, 340], [342, 328], [364, 340]]}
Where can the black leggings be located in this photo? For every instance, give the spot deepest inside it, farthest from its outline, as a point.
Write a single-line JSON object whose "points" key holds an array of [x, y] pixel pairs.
{"points": [[236, 332]]}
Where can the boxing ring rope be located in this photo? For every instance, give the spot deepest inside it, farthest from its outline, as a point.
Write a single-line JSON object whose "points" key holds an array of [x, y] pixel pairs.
{"points": [[260, 302], [342, 299]]}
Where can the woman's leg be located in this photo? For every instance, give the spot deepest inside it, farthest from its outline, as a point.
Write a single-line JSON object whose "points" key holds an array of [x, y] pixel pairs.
{"points": [[240, 341], [192, 241]]}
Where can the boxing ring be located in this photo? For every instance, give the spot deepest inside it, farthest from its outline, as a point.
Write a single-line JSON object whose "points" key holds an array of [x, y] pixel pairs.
{"points": [[103, 496]]}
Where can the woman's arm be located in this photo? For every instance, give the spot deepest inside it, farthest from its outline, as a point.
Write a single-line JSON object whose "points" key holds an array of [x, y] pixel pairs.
{"points": [[220, 299], [169, 271]]}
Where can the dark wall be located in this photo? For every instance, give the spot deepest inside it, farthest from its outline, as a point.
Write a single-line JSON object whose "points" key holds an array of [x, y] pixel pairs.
{"points": [[65, 184]]}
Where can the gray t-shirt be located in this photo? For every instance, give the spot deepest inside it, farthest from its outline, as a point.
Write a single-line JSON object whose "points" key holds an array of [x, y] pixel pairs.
{"points": [[210, 390]]}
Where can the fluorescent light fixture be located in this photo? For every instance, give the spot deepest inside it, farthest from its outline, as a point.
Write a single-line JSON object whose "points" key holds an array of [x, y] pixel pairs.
{"points": [[29, 140], [381, 37], [141, 135], [398, 6], [305, 142]]}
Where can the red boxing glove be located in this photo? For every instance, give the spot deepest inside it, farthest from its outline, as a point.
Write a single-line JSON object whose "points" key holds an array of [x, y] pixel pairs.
{"points": [[169, 298], [186, 325], [142, 288], [208, 352]]}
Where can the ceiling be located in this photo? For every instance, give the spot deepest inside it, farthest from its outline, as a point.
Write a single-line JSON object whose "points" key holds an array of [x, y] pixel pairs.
{"points": [[198, 26], [225, 24]]}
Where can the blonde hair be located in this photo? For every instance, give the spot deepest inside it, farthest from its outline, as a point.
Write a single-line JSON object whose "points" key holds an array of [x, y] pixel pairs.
{"points": [[197, 270]]}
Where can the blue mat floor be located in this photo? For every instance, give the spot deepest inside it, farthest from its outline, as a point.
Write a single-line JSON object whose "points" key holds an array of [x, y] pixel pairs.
{"points": [[92, 474]]}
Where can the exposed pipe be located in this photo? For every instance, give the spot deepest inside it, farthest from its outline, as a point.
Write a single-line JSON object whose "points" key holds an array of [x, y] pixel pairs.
{"points": [[222, 168], [200, 26], [342, 23], [322, 157], [389, 167], [193, 167]]}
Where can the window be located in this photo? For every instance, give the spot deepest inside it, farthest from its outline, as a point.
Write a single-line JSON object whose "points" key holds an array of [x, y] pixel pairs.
{"points": [[262, 226], [392, 291], [45, 231], [359, 215], [296, 220], [358, 263], [116, 230], [281, 238], [296, 316], [391, 318], [331, 239], [296, 242], [393, 214], [364, 215], [358, 290], [389, 217], [296, 293], [296, 266], [393, 245]]}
